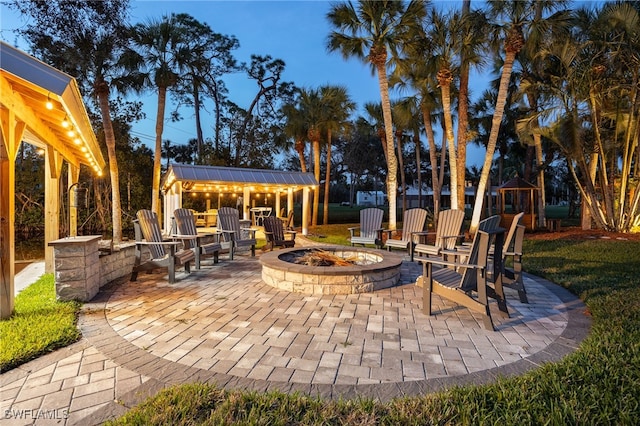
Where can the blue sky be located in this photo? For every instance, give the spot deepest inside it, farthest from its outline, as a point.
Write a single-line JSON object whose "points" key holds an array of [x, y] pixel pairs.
{"points": [[294, 31]]}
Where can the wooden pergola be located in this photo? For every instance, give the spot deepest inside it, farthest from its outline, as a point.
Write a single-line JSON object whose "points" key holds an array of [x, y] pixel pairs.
{"points": [[181, 179], [43, 107], [522, 196]]}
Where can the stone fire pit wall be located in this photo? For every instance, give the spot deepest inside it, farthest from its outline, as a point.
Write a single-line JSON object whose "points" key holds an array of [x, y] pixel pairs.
{"points": [[381, 271]]}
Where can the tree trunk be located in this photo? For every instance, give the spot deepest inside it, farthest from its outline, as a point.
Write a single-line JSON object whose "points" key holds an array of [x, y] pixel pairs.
{"points": [[392, 161], [436, 184], [448, 124], [403, 183], [110, 141], [157, 158], [327, 182], [493, 138]]}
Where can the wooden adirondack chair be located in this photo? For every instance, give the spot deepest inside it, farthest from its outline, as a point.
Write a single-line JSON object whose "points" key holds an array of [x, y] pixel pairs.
{"points": [[446, 236], [185, 229], [229, 226], [276, 235], [370, 229], [513, 275], [412, 223], [468, 277], [164, 254]]}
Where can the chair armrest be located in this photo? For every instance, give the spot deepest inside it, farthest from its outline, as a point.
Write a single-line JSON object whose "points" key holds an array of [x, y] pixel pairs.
{"points": [[252, 232], [437, 261], [154, 243], [421, 233], [185, 236]]}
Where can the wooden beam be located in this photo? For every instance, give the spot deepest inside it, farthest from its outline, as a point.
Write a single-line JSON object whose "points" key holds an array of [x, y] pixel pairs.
{"points": [[73, 174], [15, 102], [52, 205], [10, 137]]}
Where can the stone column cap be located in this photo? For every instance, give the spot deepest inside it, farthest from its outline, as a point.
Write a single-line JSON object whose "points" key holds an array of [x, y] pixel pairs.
{"points": [[83, 239]]}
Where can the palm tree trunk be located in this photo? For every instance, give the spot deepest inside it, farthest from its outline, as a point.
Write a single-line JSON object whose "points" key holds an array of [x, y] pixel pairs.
{"points": [[392, 161], [501, 101], [316, 173], [433, 157], [463, 118], [453, 164], [403, 183], [110, 141], [157, 158], [327, 182]]}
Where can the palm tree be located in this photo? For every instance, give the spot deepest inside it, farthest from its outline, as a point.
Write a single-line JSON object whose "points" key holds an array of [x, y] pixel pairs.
{"points": [[163, 54], [338, 108], [369, 32], [442, 36], [311, 109], [418, 70], [295, 128], [87, 43], [515, 13]]}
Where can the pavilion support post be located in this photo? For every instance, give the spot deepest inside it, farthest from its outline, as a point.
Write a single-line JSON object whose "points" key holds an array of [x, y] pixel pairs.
{"points": [[305, 211], [289, 199], [11, 132], [277, 206], [246, 199], [73, 175], [53, 166]]}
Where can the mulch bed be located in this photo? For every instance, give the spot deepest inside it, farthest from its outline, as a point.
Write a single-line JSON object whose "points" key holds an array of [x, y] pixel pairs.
{"points": [[576, 233]]}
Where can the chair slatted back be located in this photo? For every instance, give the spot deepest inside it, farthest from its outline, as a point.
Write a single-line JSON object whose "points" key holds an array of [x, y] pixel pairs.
{"points": [[186, 224], [449, 224], [413, 221], [274, 226], [478, 255], [370, 222], [508, 240], [229, 220], [289, 224], [151, 232]]}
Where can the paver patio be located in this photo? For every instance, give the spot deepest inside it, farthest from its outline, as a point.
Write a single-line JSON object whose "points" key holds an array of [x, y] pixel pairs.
{"points": [[223, 325]]}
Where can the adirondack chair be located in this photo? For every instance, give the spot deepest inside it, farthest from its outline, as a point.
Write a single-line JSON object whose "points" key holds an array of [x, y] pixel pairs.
{"points": [[232, 238], [370, 229], [513, 274], [446, 236], [413, 222], [489, 224], [185, 229], [276, 235], [468, 277], [164, 254]]}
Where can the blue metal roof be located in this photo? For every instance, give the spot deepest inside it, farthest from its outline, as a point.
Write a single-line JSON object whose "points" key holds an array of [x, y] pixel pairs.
{"points": [[239, 176]]}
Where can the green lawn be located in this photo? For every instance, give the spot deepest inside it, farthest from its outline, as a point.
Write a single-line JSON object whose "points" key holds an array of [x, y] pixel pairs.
{"points": [[597, 384], [39, 324]]}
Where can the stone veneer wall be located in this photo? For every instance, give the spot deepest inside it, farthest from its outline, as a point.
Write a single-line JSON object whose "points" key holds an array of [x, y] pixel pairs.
{"points": [[80, 270], [117, 264]]}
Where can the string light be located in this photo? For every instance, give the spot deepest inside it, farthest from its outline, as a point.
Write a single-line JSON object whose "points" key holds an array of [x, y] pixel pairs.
{"points": [[49, 104]]}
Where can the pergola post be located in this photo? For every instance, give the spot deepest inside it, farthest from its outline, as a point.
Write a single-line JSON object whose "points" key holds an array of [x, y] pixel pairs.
{"points": [[10, 137], [246, 199], [73, 175], [52, 169], [305, 211]]}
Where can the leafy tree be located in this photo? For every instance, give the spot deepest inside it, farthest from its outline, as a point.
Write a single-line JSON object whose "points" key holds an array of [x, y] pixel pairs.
{"points": [[211, 58], [86, 40]]}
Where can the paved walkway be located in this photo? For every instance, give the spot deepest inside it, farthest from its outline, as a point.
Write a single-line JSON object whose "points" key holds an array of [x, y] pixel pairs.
{"points": [[223, 325]]}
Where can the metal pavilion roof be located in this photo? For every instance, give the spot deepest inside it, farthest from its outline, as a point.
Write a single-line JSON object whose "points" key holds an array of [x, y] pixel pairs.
{"points": [[230, 179], [49, 102]]}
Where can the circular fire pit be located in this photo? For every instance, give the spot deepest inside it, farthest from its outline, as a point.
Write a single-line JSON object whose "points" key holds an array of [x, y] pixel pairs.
{"points": [[372, 270]]}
